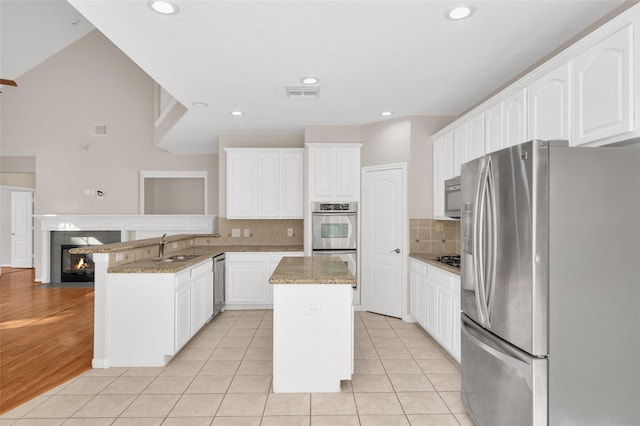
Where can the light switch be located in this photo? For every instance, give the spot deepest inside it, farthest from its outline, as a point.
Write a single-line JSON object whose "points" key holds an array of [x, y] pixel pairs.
{"points": [[314, 309], [235, 232]]}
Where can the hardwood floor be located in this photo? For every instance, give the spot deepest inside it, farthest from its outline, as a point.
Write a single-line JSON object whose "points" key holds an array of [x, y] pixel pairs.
{"points": [[46, 336]]}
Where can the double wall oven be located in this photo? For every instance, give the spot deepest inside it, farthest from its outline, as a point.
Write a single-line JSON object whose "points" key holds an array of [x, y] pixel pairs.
{"points": [[335, 232]]}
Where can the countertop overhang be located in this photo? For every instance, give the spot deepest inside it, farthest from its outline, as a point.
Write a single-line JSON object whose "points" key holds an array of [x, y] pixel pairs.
{"points": [[312, 270]]}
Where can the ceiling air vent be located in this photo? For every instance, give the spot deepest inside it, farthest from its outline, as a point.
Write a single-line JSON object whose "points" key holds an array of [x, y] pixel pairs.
{"points": [[303, 92], [99, 130]]}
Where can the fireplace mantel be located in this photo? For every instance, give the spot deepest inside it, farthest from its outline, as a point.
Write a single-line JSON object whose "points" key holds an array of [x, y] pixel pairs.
{"points": [[131, 227]]}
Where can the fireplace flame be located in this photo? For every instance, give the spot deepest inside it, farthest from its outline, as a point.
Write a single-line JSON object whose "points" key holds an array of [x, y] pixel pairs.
{"points": [[82, 264]]}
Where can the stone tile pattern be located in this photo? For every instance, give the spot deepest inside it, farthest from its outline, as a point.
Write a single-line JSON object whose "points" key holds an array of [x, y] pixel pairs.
{"points": [[223, 377], [312, 270], [424, 236]]}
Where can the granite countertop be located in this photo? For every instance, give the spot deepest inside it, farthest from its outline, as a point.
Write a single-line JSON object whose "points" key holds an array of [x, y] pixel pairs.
{"points": [[134, 244], [312, 270], [156, 266], [430, 259]]}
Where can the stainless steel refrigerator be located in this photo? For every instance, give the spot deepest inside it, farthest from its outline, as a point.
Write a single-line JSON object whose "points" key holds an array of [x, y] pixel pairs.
{"points": [[551, 286]]}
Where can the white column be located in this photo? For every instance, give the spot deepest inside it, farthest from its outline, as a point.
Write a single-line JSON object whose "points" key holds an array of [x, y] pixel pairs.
{"points": [[100, 312]]}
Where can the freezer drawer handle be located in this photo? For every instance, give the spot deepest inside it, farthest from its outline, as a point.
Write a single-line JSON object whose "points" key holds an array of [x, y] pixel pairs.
{"points": [[504, 354]]}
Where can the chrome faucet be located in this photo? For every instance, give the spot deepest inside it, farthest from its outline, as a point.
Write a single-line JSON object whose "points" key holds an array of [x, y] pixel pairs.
{"points": [[163, 243]]}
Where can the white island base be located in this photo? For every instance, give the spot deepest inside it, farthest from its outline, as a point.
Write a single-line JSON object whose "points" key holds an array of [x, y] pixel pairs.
{"points": [[312, 337]]}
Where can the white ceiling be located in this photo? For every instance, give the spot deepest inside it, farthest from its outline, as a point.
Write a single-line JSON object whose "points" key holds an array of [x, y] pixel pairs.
{"points": [[370, 56]]}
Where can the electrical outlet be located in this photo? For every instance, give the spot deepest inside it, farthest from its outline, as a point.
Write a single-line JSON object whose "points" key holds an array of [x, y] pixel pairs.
{"points": [[235, 232], [119, 257], [289, 232], [246, 232], [440, 227], [175, 245]]}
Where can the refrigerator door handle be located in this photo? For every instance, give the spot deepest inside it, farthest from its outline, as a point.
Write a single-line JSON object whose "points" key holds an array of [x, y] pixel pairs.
{"points": [[492, 234], [477, 244], [481, 274]]}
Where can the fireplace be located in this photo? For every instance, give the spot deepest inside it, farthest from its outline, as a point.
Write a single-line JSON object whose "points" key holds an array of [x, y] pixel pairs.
{"points": [[75, 267], [79, 268]]}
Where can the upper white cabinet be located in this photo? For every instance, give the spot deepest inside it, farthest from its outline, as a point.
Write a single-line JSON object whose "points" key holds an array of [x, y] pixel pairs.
{"points": [[241, 183], [493, 140], [514, 118], [265, 183], [549, 103], [468, 142], [604, 78], [443, 169], [505, 123], [334, 171]]}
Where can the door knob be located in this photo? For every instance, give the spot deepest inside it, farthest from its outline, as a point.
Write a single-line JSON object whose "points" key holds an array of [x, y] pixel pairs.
{"points": [[396, 251]]}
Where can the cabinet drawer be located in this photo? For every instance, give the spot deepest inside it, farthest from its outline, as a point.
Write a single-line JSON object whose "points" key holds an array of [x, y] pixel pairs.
{"points": [[441, 277], [201, 270], [182, 278], [418, 267], [246, 257]]}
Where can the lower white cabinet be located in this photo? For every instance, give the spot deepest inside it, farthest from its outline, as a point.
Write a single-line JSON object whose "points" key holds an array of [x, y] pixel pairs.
{"points": [[153, 315], [434, 302], [247, 279]]}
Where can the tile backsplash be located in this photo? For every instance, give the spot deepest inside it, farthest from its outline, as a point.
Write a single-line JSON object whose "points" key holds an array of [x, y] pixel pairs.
{"points": [[262, 232], [434, 236]]}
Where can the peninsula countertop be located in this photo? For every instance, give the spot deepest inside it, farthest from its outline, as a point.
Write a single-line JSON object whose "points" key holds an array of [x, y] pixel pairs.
{"points": [[202, 253], [312, 270]]}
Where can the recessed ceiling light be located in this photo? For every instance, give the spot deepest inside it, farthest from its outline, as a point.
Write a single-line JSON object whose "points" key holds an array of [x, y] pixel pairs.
{"points": [[237, 113], [164, 7], [309, 80], [386, 113], [460, 12], [199, 104]]}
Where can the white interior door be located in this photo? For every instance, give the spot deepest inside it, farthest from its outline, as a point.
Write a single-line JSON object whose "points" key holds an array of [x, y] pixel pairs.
{"points": [[384, 239], [21, 229]]}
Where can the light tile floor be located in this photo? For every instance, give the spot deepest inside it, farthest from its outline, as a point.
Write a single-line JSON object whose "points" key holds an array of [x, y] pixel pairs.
{"points": [[223, 377]]}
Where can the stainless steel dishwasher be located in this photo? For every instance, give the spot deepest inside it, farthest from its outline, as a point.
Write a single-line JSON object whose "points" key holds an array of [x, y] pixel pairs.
{"points": [[218, 284]]}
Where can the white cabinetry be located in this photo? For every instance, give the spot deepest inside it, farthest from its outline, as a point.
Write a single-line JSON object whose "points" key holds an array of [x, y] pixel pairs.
{"points": [[549, 105], [468, 142], [265, 183], [153, 315], [241, 184], [443, 169], [182, 310], [435, 303], [514, 119], [493, 139], [247, 279], [418, 291], [505, 123], [334, 171], [604, 84]]}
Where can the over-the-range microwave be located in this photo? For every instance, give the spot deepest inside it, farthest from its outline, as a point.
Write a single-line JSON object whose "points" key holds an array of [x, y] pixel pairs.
{"points": [[452, 197]]}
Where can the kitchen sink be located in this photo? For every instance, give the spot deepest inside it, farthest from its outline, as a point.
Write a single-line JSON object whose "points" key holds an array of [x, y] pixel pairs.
{"points": [[178, 258]]}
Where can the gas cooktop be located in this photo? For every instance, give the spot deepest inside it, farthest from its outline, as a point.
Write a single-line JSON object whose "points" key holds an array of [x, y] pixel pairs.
{"points": [[453, 260]]}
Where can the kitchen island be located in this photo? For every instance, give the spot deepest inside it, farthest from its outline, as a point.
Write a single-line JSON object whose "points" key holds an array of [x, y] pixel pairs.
{"points": [[312, 324]]}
